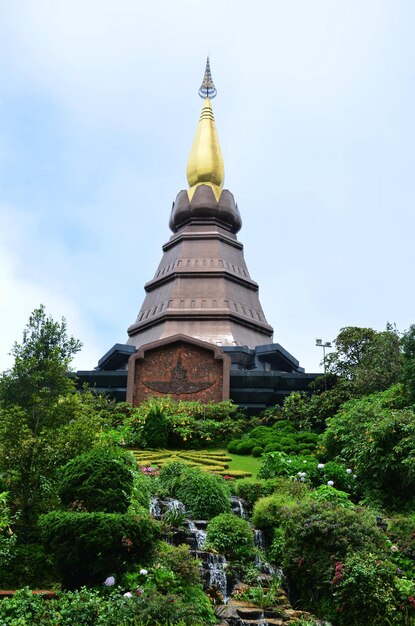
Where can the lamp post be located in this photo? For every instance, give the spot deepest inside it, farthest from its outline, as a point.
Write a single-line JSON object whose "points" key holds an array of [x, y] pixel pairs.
{"points": [[324, 344]]}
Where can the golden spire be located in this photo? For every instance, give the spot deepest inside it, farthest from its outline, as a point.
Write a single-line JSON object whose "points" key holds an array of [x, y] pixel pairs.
{"points": [[205, 164]]}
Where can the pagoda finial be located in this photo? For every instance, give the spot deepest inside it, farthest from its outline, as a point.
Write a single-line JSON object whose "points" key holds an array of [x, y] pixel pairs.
{"points": [[207, 88], [205, 164]]}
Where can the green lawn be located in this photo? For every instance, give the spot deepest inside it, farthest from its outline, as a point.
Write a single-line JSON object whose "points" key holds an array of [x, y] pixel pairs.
{"points": [[244, 462], [216, 461]]}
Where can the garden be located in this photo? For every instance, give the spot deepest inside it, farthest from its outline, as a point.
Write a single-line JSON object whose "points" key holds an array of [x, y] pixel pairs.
{"points": [[183, 514]]}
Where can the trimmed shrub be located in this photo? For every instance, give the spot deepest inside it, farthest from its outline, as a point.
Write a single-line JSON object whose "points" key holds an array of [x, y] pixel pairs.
{"points": [[203, 494], [272, 511], [87, 547], [232, 536], [245, 446], [257, 451], [100, 480], [251, 489]]}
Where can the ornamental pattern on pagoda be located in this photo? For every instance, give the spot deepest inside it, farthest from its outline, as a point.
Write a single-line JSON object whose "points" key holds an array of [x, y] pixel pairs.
{"points": [[201, 303], [192, 264]]}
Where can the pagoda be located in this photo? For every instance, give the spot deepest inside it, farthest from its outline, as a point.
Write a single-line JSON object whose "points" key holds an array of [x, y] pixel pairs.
{"points": [[202, 287], [201, 333]]}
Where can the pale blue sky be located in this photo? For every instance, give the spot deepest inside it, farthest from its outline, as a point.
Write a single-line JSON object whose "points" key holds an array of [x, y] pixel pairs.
{"points": [[315, 113]]}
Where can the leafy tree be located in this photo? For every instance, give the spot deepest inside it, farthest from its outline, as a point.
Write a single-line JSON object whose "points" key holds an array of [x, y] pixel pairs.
{"points": [[408, 369], [39, 374], [43, 421], [375, 436], [366, 360]]}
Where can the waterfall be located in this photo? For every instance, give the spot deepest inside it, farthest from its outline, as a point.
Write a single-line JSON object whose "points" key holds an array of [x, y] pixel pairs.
{"points": [[200, 535], [160, 506], [217, 576], [259, 539], [237, 506], [262, 565]]}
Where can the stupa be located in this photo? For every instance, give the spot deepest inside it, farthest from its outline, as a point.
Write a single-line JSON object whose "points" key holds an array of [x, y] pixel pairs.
{"points": [[202, 287], [201, 333]]}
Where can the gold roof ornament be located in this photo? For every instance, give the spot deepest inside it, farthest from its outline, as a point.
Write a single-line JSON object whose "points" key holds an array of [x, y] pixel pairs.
{"points": [[205, 165]]}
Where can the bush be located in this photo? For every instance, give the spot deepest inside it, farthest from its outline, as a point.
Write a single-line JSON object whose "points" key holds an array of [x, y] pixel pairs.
{"points": [[100, 480], [307, 469], [251, 489], [29, 566], [143, 488], [325, 493], [272, 511], [257, 451], [317, 536], [155, 433], [203, 494], [245, 446], [231, 536], [233, 446], [87, 547], [378, 441], [89, 607], [365, 592]]}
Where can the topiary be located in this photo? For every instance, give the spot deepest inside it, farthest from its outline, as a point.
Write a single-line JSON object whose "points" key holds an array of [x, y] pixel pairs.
{"points": [[100, 480], [232, 536], [87, 547], [257, 451], [203, 494], [245, 446]]}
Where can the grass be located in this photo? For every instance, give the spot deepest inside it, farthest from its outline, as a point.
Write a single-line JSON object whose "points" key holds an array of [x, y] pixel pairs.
{"points": [[216, 461]]}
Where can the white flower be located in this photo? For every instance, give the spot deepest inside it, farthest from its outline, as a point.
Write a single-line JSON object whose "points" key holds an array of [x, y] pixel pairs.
{"points": [[289, 461], [110, 581], [394, 549], [128, 594], [301, 474], [330, 483], [320, 466], [144, 572], [348, 471], [302, 479], [304, 461], [354, 476]]}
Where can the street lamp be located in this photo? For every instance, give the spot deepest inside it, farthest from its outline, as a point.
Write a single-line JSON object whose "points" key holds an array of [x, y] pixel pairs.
{"points": [[324, 344]]}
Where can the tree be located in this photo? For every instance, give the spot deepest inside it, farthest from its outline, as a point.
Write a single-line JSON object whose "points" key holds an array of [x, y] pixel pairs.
{"points": [[43, 421], [408, 368], [39, 374], [366, 360]]}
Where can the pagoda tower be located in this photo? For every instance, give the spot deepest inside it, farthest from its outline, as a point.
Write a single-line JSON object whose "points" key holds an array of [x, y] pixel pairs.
{"points": [[202, 287]]}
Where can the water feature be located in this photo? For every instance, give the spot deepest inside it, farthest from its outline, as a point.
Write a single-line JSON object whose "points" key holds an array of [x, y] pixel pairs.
{"points": [[216, 564], [237, 506], [199, 533], [161, 506]]}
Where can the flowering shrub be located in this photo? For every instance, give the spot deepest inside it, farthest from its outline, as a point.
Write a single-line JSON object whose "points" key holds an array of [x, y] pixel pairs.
{"points": [[307, 469], [317, 536]]}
